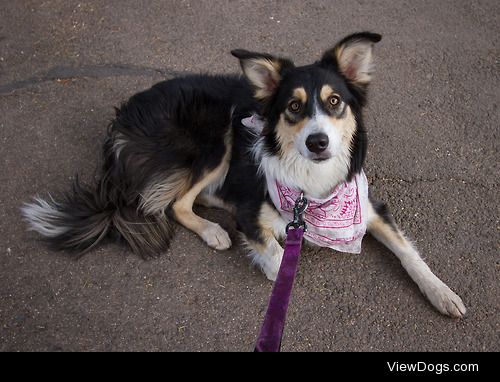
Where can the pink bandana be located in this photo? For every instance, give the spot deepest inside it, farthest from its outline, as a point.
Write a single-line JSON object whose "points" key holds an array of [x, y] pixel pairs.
{"points": [[337, 222]]}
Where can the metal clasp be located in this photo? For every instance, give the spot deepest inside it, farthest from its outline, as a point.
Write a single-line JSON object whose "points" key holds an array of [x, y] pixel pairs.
{"points": [[300, 208]]}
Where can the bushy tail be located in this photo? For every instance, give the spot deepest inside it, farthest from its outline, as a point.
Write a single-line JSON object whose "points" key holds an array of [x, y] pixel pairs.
{"points": [[87, 216]]}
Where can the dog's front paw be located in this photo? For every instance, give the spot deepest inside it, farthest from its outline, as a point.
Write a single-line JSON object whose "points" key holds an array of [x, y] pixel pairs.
{"points": [[216, 237], [269, 259], [443, 298], [271, 273]]}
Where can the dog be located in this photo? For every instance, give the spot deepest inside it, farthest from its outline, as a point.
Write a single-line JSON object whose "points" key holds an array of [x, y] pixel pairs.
{"points": [[189, 141]]}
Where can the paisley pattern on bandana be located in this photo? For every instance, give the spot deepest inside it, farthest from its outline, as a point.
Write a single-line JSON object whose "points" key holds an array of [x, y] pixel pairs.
{"points": [[336, 222]]}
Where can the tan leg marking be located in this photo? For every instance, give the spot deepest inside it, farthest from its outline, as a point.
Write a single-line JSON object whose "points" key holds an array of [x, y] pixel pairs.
{"points": [[210, 232], [212, 201]]}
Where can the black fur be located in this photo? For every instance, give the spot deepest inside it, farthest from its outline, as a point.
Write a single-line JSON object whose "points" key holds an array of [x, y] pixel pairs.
{"points": [[383, 211]]}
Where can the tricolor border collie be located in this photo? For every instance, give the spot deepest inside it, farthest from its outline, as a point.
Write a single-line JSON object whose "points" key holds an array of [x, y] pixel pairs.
{"points": [[184, 142]]}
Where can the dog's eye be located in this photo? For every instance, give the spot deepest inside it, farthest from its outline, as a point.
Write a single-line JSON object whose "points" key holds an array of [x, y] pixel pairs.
{"points": [[333, 101], [294, 107]]}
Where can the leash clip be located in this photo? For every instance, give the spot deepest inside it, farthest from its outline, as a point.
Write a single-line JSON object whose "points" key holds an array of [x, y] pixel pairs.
{"points": [[300, 208]]}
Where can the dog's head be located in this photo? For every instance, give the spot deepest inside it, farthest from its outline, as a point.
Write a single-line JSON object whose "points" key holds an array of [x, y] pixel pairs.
{"points": [[314, 111]]}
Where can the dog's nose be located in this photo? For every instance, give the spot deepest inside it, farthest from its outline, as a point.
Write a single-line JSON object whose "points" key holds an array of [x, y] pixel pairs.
{"points": [[317, 143]]}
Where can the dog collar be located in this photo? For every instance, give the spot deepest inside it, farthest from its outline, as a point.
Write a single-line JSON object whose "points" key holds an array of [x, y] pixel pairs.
{"points": [[338, 221]]}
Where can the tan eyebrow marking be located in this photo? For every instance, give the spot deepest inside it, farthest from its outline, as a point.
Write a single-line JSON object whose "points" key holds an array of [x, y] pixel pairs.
{"points": [[300, 94], [326, 91]]}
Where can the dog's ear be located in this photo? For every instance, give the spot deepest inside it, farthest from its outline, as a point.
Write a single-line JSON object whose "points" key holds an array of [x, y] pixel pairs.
{"points": [[262, 70], [353, 58]]}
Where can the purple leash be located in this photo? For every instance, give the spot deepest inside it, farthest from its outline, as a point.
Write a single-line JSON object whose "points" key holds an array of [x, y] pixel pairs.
{"points": [[271, 334]]}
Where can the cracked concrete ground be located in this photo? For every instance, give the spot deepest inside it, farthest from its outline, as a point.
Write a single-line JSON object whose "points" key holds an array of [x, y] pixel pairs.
{"points": [[433, 125]]}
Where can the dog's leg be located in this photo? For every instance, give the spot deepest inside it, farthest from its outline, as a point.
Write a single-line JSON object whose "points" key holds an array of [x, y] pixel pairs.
{"points": [[212, 201], [211, 233], [262, 239], [383, 228]]}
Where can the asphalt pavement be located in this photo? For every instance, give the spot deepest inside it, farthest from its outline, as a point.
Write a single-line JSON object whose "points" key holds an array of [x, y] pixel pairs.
{"points": [[433, 124]]}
